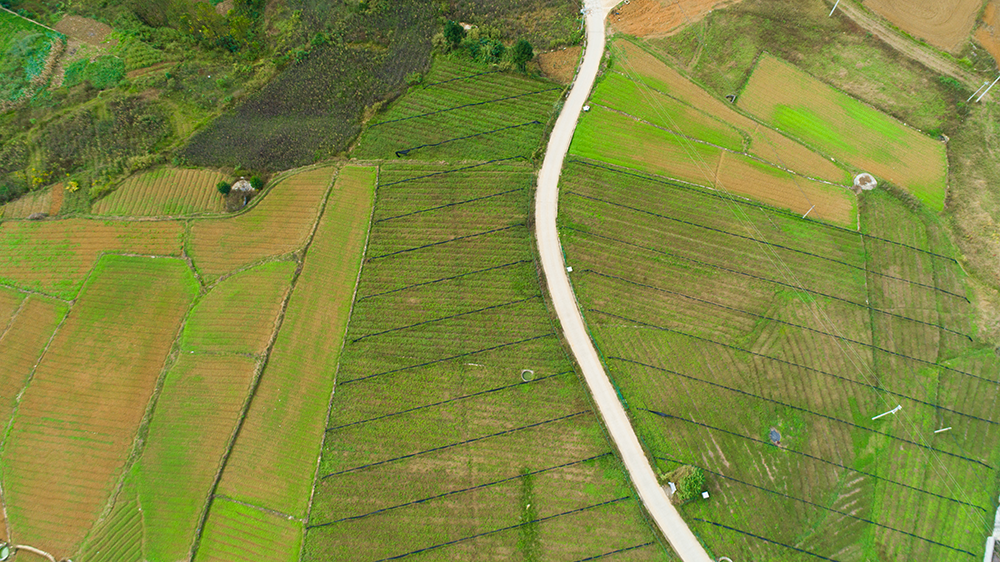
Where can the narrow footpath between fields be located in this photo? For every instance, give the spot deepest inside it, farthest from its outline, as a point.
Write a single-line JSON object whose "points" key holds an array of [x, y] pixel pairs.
{"points": [[611, 410]]}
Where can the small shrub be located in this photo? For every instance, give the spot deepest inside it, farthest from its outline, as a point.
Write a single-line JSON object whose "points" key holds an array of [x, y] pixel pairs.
{"points": [[256, 182], [454, 33], [414, 78], [223, 187], [690, 481]]}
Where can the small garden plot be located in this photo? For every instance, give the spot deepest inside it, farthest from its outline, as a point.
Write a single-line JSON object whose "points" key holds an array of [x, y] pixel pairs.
{"points": [[88, 396], [28, 204], [239, 532], [443, 347], [847, 129], [54, 257], [239, 314], [466, 111], [655, 76], [165, 191], [22, 346], [118, 536], [278, 224], [273, 460]]}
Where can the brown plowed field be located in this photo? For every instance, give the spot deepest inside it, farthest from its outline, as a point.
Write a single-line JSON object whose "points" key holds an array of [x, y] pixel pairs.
{"points": [[77, 420], [57, 195], [988, 33], [943, 23], [84, 29], [274, 459], [764, 142], [10, 299], [279, 224], [21, 347], [55, 256], [165, 192], [657, 18], [34, 202], [560, 66]]}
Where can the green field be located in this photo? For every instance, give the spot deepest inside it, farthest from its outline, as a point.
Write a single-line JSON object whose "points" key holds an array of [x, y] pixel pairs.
{"points": [[470, 112], [446, 430], [25, 46], [727, 320], [165, 192]]}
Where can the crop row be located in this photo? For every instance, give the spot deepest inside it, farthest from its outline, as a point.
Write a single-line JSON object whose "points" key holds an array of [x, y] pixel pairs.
{"points": [[166, 191]]}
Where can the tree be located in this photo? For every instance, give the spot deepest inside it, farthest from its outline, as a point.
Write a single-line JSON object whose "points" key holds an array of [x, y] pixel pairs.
{"points": [[522, 53], [256, 182], [223, 187], [454, 33]]}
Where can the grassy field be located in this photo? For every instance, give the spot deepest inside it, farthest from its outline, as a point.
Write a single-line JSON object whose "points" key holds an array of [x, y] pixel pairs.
{"points": [[845, 128], [54, 257], [239, 314], [273, 461], [278, 224], [458, 458], [728, 321], [470, 112], [74, 426], [164, 192], [25, 46]]}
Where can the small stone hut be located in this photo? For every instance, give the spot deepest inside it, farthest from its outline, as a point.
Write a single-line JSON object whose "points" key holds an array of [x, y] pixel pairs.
{"points": [[242, 188]]}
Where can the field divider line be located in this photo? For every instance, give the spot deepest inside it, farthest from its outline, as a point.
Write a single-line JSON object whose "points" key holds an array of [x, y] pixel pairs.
{"points": [[774, 281], [262, 509], [455, 492], [493, 348], [785, 322], [701, 190], [498, 194], [463, 397], [502, 529], [443, 279], [457, 107], [481, 164], [766, 243], [807, 455], [407, 151], [806, 410], [786, 362], [452, 445], [27, 291], [814, 504], [501, 305], [613, 552], [456, 239], [765, 539], [461, 78]]}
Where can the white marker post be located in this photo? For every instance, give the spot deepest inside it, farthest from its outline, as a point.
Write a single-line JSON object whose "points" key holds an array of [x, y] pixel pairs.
{"points": [[987, 90], [943, 429], [809, 211], [834, 8], [892, 411], [977, 91]]}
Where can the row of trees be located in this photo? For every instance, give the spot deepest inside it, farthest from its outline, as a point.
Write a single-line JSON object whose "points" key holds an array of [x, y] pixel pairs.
{"points": [[487, 49]]}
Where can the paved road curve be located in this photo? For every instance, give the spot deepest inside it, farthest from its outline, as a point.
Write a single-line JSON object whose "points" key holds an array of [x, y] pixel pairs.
{"points": [[652, 495]]}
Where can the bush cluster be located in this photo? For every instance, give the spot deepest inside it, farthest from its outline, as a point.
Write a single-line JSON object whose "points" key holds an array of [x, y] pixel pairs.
{"points": [[487, 48]]}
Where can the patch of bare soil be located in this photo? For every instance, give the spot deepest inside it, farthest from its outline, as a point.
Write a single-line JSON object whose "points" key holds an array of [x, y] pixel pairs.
{"points": [[659, 18], [84, 29], [946, 24], [988, 33], [560, 66]]}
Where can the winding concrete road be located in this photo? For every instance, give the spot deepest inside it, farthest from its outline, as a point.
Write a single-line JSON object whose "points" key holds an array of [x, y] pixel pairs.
{"points": [[546, 203]]}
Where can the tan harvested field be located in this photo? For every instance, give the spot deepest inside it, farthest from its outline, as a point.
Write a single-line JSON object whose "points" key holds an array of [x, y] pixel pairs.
{"points": [[57, 193], [279, 224], [764, 142], [34, 202], [560, 66], [196, 414], [658, 18], [55, 256], [165, 192], [238, 315], [988, 33], [76, 421], [846, 129], [946, 24], [741, 175], [84, 29], [10, 300], [22, 345], [274, 458]]}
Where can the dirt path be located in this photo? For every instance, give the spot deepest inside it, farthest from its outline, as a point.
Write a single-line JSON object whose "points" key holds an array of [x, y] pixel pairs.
{"points": [[655, 500], [924, 55]]}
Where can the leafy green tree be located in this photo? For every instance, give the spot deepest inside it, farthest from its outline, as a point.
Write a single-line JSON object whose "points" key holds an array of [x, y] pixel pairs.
{"points": [[454, 33], [256, 182], [223, 187], [521, 53], [690, 483]]}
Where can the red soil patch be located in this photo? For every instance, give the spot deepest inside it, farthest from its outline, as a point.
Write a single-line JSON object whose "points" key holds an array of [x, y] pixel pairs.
{"points": [[658, 18], [58, 193], [988, 33], [84, 29], [560, 66], [946, 24]]}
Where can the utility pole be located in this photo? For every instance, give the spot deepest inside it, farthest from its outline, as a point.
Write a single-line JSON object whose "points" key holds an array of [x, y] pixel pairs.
{"points": [[834, 8], [892, 411], [987, 90], [977, 91]]}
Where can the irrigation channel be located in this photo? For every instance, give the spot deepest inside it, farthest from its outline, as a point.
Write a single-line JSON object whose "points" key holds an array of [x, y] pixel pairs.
{"points": [[652, 495]]}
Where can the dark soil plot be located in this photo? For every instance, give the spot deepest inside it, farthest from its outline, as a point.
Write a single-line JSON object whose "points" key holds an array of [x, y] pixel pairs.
{"points": [[314, 108]]}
